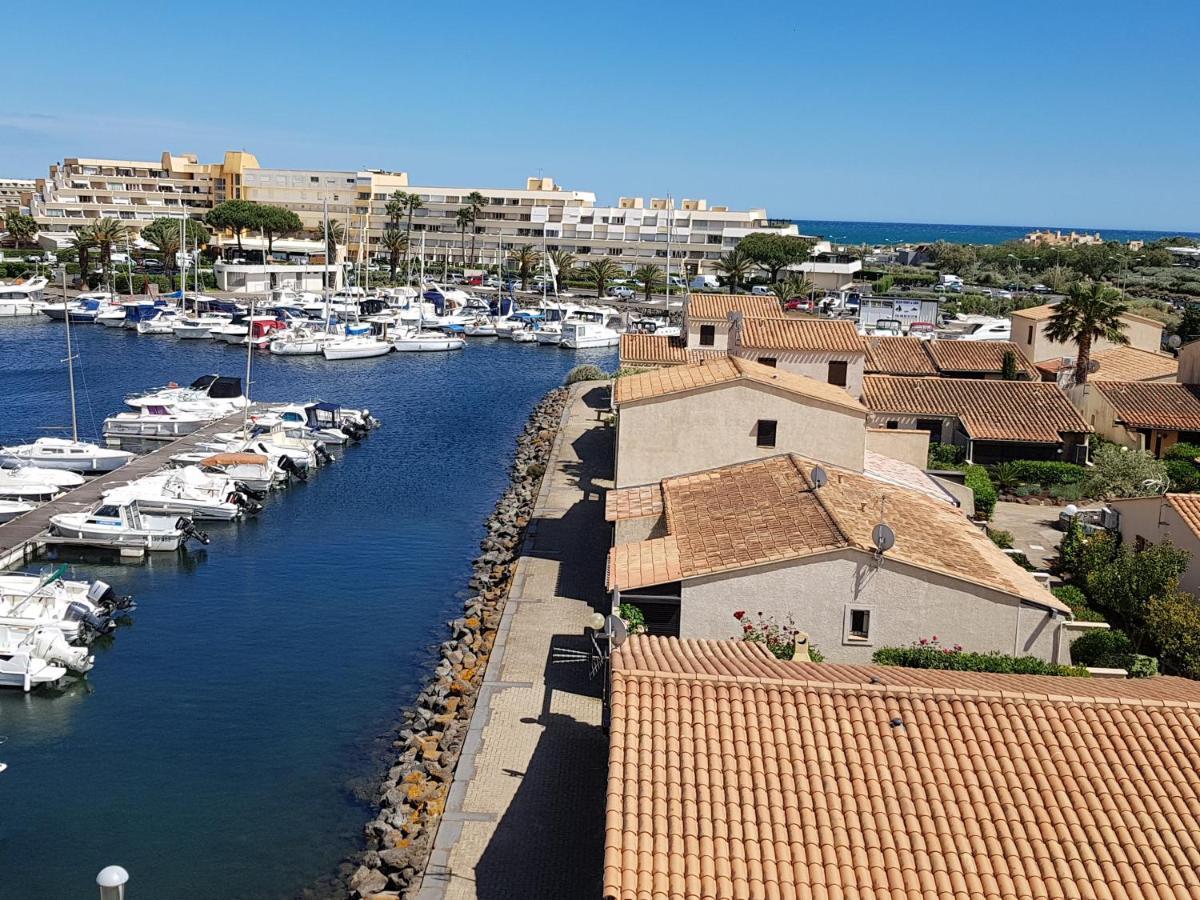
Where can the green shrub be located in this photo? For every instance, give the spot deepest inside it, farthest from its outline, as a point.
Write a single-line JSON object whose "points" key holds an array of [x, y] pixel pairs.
{"points": [[628, 370], [985, 492], [1118, 472], [1141, 666], [1067, 493], [1184, 475], [931, 656], [535, 470], [944, 456], [585, 373], [1103, 648], [632, 617], [1080, 553], [1123, 588], [1174, 620], [1047, 472], [883, 285], [1184, 451], [1001, 538], [1077, 601]]}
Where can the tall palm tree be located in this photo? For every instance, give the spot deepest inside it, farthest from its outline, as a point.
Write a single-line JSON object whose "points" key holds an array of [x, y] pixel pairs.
{"points": [[600, 272], [735, 265], [526, 260], [106, 233], [335, 235], [165, 241], [411, 203], [395, 208], [475, 203], [564, 262], [82, 243], [462, 219], [793, 286], [394, 242], [21, 228], [651, 277], [1090, 311]]}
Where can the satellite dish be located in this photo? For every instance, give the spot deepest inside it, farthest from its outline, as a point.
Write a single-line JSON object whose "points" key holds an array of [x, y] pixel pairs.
{"points": [[1174, 342], [883, 537], [1093, 366], [819, 477], [617, 632]]}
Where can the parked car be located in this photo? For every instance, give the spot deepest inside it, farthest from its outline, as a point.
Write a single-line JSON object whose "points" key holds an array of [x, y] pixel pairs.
{"points": [[475, 280], [800, 304], [761, 290], [154, 265], [1002, 295], [621, 292], [1041, 289]]}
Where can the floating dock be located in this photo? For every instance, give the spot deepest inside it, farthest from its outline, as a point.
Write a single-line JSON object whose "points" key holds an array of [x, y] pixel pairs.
{"points": [[24, 538]]}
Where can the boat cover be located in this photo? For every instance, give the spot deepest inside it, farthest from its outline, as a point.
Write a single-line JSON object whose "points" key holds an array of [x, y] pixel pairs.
{"points": [[235, 459]]}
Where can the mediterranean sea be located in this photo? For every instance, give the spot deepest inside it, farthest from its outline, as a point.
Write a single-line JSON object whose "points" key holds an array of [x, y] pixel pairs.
{"points": [[875, 233], [224, 742]]}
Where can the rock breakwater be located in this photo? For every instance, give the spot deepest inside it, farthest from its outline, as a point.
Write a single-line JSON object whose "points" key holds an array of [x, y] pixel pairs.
{"points": [[413, 794]]}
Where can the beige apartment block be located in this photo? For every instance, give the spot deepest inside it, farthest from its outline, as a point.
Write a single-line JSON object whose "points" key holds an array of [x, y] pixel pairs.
{"points": [[15, 193]]}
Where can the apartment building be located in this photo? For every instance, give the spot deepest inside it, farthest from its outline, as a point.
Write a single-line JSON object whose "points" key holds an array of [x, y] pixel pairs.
{"points": [[12, 190], [80, 190]]}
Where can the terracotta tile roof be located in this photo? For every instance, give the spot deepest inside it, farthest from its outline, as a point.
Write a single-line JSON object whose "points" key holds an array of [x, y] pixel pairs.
{"points": [[1124, 364], [655, 561], [837, 335], [989, 410], [652, 350], [760, 512], [717, 307], [1044, 312], [1188, 508], [978, 357], [633, 502], [898, 356], [734, 775], [727, 370], [1169, 406]]}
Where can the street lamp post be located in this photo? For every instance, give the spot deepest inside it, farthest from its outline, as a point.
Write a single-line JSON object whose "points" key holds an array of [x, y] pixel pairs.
{"points": [[112, 881]]}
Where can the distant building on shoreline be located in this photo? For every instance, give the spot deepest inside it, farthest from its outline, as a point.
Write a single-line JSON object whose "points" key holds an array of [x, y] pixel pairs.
{"points": [[1058, 239], [541, 213]]}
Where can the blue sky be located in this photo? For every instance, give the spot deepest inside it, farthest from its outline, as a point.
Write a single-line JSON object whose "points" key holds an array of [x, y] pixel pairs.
{"points": [[1014, 113]]}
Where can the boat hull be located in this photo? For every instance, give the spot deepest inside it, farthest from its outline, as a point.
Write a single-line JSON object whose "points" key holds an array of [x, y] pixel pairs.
{"points": [[431, 345], [357, 352], [107, 462], [64, 526], [20, 670]]}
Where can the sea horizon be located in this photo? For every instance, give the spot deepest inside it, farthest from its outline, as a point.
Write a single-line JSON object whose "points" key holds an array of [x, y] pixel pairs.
{"points": [[862, 232]]}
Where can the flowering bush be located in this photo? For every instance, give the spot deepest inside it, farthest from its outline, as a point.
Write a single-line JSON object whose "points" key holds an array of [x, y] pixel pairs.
{"points": [[779, 639], [928, 653]]}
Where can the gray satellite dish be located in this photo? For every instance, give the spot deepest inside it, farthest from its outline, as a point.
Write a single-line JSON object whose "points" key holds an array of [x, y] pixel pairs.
{"points": [[883, 537], [617, 632], [818, 477], [1174, 342], [1093, 366]]}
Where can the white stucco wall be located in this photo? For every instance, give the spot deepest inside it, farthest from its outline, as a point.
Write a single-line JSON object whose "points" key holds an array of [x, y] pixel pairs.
{"points": [[720, 331], [1155, 520], [906, 604], [813, 364], [908, 445], [704, 429], [1037, 347]]}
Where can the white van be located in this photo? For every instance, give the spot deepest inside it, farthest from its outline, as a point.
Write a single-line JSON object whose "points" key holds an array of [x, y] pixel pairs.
{"points": [[705, 282], [762, 290]]}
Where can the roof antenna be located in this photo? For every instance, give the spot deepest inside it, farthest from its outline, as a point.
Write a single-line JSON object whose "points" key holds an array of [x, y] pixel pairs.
{"points": [[882, 535]]}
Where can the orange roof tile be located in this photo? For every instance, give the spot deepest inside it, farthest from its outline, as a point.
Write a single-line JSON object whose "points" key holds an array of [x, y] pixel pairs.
{"points": [[727, 370], [989, 410], [760, 512], [1166, 405], [978, 357], [1046, 311], [1188, 508], [633, 502], [837, 335], [898, 356], [734, 775], [1124, 364], [655, 561], [652, 350], [718, 306]]}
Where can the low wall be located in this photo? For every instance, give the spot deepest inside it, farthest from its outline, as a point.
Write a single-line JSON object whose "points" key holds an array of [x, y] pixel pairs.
{"points": [[910, 445]]}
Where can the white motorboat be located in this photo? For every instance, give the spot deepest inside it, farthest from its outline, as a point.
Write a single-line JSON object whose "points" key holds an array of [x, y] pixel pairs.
{"points": [[202, 326], [112, 316], [10, 509], [22, 297], [480, 326], [523, 335], [73, 607], [300, 341], [41, 656], [185, 492], [978, 328], [162, 322], [255, 471], [549, 334], [84, 308], [60, 453], [588, 335], [34, 483], [155, 422], [216, 394], [125, 525], [259, 330], [356, 347], [410, 340]]}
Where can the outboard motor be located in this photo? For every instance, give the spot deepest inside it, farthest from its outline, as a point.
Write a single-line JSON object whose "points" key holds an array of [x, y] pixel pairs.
{"points": [[240, 500], [190, 532], [49, 644], [85, 615], [104, 597], [249, 492], [322, 454], [288, 465]]}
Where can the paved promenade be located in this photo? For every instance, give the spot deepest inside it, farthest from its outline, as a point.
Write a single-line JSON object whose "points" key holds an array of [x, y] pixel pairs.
{"points": [[525, 815]]}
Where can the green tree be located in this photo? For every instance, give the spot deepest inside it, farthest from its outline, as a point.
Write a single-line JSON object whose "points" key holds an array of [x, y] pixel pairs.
{"points": [[774, 252], [600, 272], [275, 221], [233, 215], [1188, 328], [1008, 367], [1125, 586], [106, 233], [1173, 618], [163, 234], [462, 219], [395, 208], [395, 242], [526, 259], [475, 203], [956, 258], [735, 266], [1118, 472], [411, 203], [21, 228], [651, 277], [334, 236], [792, 286], [82, 243], [564, 262], [1091, 310]]}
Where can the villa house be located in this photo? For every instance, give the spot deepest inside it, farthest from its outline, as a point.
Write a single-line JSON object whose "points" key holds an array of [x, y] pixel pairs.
{"points": [[706, 317], [794, 539], [1115, 364], [1029, 334], [1171, 517], [949, 359], [828, 350], [990, 420], [1141, 415], [734, 774]]}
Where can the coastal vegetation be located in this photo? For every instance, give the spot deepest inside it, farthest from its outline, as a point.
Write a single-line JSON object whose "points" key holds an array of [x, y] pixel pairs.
{"points": [[928, 653]]}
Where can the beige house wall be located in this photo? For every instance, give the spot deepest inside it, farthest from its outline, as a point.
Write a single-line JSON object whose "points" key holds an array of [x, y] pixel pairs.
{"points": [[1189, 363], [1030, 337], [1155, 520], [1099, 413], [703, 429], [813, 364], [720, 335], [906, 604], [907, 445]]}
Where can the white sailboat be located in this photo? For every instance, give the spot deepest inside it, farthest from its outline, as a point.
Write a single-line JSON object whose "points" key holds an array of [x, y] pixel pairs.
{"points": [[417, 340]]}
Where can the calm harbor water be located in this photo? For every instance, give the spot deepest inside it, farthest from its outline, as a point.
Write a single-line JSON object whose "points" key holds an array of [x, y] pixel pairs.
{"points": [[923, 232], [215, 748]]}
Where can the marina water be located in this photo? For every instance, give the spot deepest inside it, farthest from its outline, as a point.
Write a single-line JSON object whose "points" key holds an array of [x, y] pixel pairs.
{"points": [[225, 740]]}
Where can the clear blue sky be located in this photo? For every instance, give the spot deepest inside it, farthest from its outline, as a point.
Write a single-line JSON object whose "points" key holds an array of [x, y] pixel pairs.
{"points": [[1074, 113]]}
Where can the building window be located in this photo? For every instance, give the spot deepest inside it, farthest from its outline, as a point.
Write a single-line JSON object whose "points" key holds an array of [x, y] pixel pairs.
{"points": [[892, 424], [860, 625], [1029, 340], [933, 426], [708, 335], [1140, 544], [837, 372], [765, 432], [768, 361]]}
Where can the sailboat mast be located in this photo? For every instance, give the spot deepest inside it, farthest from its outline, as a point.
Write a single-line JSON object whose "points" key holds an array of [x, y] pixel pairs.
{"points": [[249, 357], [670, 223], [70, 358]]}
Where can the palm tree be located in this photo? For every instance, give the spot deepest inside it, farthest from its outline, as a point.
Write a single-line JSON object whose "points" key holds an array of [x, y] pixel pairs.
{"points": [[1091, 310], [394, 242], [475, 203], [395, 208], [651, 277], [82, 243], [564, 262], [600, 273], [790, 287], [335, 235], [526, 260], [106, 233], [165, 241], [735, 265], [462, 219], [411, 203], [20, 227]]}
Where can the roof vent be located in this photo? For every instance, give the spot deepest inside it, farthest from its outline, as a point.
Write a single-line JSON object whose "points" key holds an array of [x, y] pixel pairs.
{"points": [[897, 722]]}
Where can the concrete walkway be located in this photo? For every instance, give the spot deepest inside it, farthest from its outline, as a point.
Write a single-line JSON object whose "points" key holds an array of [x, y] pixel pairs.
{"points": [[1033, 529], [525, 814]]}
